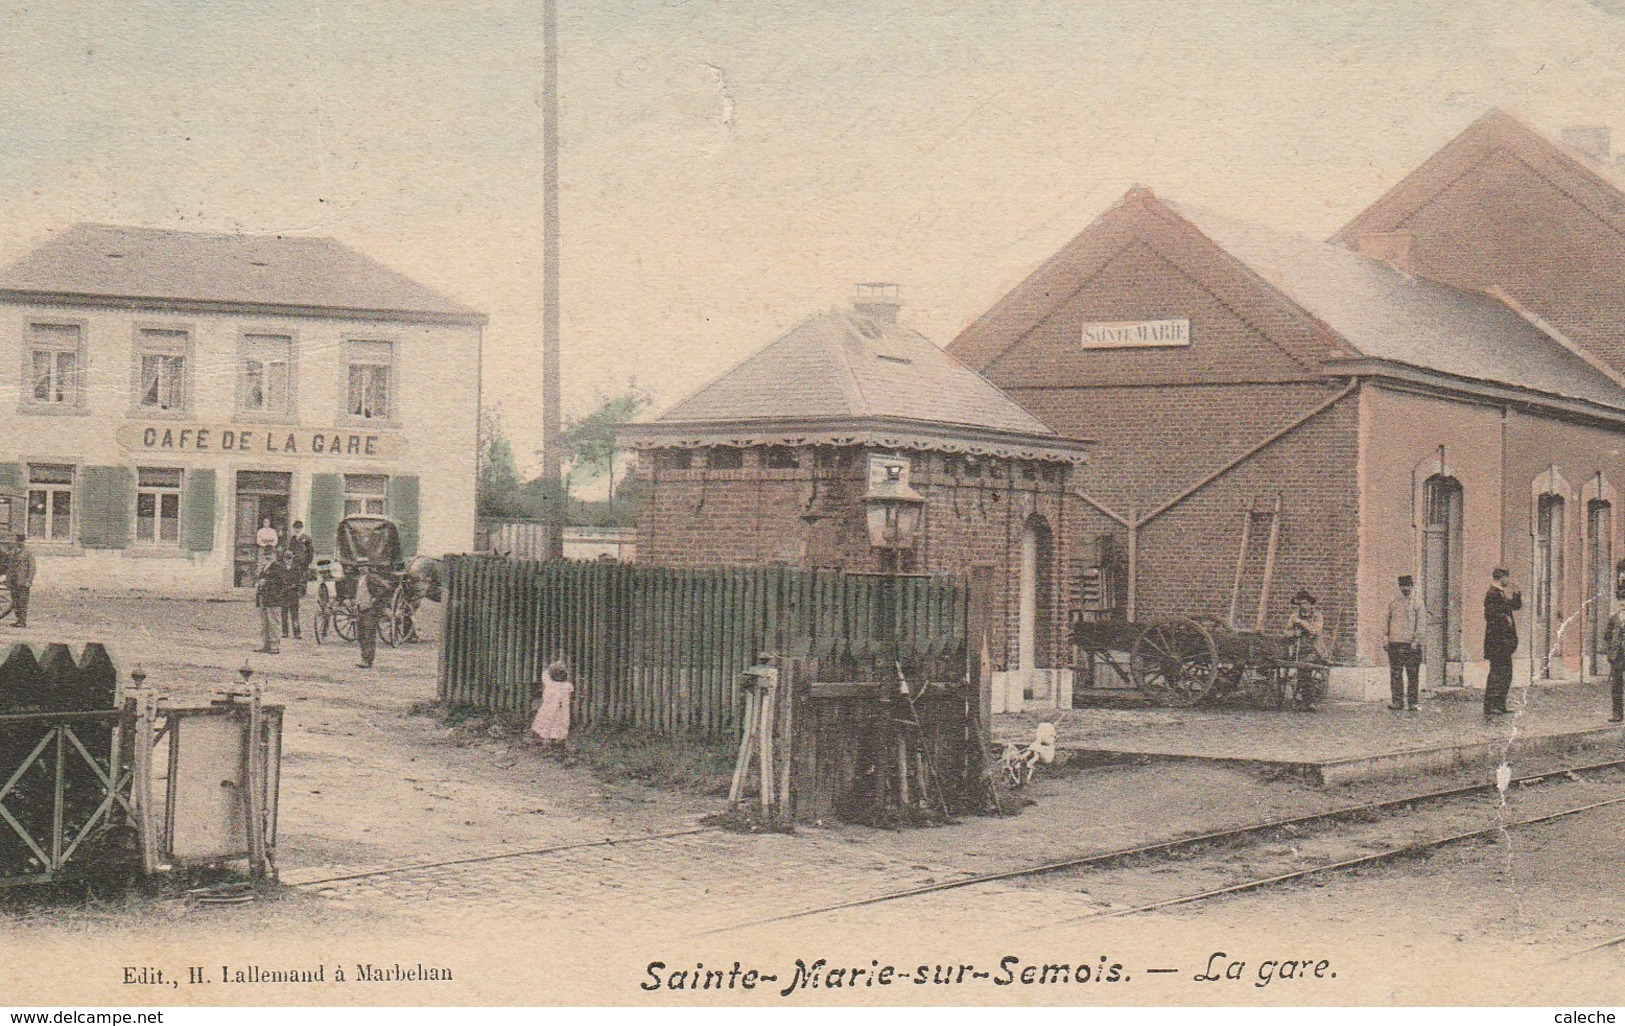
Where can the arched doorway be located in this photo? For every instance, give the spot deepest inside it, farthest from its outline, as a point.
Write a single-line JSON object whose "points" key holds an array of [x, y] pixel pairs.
{"points": [[1546, 630], [1599, 582], [1034, 599], [1441, 580]]}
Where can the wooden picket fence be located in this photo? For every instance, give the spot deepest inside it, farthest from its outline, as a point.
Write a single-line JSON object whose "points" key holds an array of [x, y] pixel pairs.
{"points": [[664, 648]]}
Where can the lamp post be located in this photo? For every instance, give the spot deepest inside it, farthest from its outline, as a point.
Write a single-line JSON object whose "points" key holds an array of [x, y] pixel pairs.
{"points": [[893, 512]]}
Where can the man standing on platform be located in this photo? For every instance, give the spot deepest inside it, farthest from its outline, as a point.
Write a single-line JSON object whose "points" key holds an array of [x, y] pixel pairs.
{"points": [[20, 578], [1500, 639], [1615, 642], [1404, 647]]}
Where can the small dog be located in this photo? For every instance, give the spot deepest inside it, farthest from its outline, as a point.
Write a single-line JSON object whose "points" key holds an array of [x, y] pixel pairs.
{"points": [[1018, 762]]}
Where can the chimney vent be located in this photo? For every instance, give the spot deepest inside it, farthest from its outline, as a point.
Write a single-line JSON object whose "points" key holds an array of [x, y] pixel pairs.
{"points": [[1591, 140], [878, 301]]}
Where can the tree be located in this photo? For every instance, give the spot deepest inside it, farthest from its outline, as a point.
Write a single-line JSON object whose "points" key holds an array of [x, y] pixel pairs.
{"points": [[591, 444], [498, 492]]}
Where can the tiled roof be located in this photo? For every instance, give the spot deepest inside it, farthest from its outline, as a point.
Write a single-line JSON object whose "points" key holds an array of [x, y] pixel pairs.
{"points": [[1388, 315], [145, 264], [844, 366]]}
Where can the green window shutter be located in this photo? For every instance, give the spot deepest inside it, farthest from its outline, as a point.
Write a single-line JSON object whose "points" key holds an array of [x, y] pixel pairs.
{"points": [[105, 512], [93, 498], [12, 501], [197, 511], [120, 509], [326, 509], [403, 509]]}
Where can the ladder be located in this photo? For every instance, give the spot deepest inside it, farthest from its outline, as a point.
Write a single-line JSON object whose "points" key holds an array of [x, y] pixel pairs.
{"points": [[1267, 532]]}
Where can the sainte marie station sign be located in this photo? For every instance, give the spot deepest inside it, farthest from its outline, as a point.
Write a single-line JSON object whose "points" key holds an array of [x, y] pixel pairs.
{"points": [[262, 440]]}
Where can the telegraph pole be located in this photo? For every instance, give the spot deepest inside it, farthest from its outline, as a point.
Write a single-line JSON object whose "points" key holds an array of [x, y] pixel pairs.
{"points": [[552, 458]]}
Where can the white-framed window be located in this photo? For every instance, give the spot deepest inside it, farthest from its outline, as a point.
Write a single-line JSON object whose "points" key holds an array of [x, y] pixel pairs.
{"points": [[50, 502], [266, 385], [365, 493], [158, 506], [55, 358], [370, 387], [161, 372]]}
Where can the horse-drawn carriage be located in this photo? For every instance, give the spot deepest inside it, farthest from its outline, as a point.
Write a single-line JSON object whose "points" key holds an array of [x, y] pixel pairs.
{"points": [[375, 542], [1183, 661]]}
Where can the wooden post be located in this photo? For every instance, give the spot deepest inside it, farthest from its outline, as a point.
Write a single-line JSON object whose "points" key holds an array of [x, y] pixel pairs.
{"points": [[787, 683], [746, 743], [1133, 561], [1241, 562], [254, 806], [978, 628], [1269, 564], [768, 686]]}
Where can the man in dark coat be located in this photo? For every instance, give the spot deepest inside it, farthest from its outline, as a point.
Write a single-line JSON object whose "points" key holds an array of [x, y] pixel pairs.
{"points": [[1500, 639], [301, 556], [371, 594], [20, 578]]}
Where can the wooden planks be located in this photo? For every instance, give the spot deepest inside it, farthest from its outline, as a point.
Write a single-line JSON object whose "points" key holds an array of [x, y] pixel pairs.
{"points": [[663, 648]]}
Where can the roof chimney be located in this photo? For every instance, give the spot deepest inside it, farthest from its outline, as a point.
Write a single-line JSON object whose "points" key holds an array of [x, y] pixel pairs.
{"points": [[1591, 140], [878, 301]]}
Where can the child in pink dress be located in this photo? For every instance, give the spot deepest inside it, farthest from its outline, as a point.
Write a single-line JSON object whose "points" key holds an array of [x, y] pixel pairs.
{"points": [[552, 721]]}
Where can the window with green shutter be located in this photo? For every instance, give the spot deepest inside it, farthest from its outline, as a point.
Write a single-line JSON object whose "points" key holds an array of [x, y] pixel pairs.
{"points": [[197, 511], [403, 509], [326, 509]]}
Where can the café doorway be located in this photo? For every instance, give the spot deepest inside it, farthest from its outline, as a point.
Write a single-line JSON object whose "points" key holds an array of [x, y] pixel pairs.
{"points": [[260, 495]]}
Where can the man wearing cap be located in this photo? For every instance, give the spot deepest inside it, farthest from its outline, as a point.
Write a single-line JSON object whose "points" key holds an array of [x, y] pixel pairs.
{"points": [[301, 555], [20, 578], [1404, 637], [1307, 625], [1500, 639]]}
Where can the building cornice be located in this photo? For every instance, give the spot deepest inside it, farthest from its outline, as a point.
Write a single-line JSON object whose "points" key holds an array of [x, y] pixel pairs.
{"points": [[207, 306], [879, 432], [1494, 392]]}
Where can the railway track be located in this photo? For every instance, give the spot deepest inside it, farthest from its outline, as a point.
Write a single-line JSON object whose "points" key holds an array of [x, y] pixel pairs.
{"points": [[1228, 839], [412, 867]]}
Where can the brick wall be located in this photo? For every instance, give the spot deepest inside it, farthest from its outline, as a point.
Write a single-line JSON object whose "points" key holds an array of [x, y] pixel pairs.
{"points": [[1501, 205], [1186, 559]]}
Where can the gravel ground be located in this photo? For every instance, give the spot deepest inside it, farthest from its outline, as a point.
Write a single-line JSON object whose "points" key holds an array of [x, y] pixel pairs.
{"points": [[368, 784]]}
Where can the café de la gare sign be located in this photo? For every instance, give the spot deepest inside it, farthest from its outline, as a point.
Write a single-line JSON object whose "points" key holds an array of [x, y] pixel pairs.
{"points": [[259, 440]]}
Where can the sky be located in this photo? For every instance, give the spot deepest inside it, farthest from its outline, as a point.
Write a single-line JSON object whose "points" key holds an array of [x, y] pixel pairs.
{"points": [[731, 168]]}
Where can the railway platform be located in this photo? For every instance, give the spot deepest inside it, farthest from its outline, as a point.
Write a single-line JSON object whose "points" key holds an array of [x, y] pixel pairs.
{"points": [[1341, 742]]}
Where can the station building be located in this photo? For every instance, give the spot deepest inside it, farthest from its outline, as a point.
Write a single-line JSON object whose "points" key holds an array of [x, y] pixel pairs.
{"points": [[797, 457], [1436, 391], [163, 393]]}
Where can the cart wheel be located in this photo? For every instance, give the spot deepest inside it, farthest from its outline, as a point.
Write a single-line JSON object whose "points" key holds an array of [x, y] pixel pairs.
{"points": [[392, 621], [318, 623], [1176, 662], [1309, 686], [344, 619]]}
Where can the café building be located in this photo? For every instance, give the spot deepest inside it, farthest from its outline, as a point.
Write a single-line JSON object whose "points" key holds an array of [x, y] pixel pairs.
{"points": [[163, 394]]}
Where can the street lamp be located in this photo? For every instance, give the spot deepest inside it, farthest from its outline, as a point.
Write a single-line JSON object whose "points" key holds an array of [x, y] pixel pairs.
{"points": [[892, 509]]}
